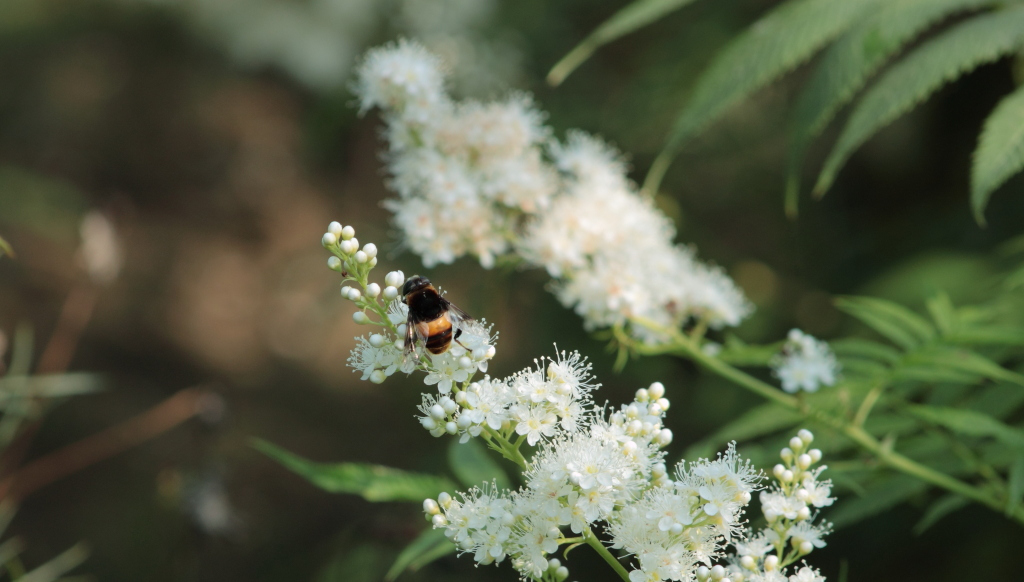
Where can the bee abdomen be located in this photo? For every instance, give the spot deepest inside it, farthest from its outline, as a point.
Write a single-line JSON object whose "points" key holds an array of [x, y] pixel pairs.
{"points": [[438, 335]]}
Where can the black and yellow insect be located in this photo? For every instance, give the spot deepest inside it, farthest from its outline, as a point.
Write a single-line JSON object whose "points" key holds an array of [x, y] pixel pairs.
{"points": [[432, 319]]}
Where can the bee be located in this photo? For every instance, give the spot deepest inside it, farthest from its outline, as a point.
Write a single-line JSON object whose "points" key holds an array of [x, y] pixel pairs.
{"points": [[432, 318]]}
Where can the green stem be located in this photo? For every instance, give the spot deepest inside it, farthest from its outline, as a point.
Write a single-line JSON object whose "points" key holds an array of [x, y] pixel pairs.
{"points": [[684, 347], [602, 551], [869, 402], [505, 448]]}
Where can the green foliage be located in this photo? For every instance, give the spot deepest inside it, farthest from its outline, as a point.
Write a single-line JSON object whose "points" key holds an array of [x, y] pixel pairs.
{"points": [[472, 465], [979, 40], [427, 547], [1000, 152], [969, 423], [637, 14], [757, 422], [781, 40], [372, 482], [944, 506], [880, 497], [6, 248], [849, 63]]}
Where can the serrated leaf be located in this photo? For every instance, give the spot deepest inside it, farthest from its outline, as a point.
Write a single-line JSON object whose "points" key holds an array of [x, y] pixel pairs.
{"points": [[372, 482], [1015, 485], [1000, 151], [631, 17], [904, 327], [787, 36], [879, 498], [936, 511], [968, 423], [846, 66], [756, 422], [966, 46], [473, 466], [431, 544]]}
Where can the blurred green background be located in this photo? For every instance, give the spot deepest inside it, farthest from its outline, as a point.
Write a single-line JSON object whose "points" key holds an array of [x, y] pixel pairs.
{"points": [[220, 138]]}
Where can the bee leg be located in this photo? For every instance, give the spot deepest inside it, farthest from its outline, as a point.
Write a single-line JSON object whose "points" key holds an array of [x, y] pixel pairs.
{"points": [[455, 338]]}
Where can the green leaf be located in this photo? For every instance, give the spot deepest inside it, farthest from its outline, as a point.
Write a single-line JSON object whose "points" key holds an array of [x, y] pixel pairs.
{"points": [[373, 482], [862, 348], [978, 40], [1000, 152], [991, 335], [57, 566], [940, 306], [1016, 484], [847, 65], [734, 351], [756, 422], [51, 385], [936, 511], [787, 36], [636, 15], [964, 361], [431, 544], [968, 423], [5, 248], [904, 327], [473, 466], [879, 498]]}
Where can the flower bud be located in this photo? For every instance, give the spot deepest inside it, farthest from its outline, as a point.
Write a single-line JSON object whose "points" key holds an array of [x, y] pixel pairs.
{"points": [[377, 340], [747, 562], [806, 547], [717, 572], [702, 573], [794, 443], [771, 563], [451, 428], [676, 528], [804, 513], [786, 476], [438, 521], [378, 376], [390, 292], [561, 573], [361, 257], [431, 507], [466, 362], [347, 232], [372, 290], [804, 461], [392, 279], [664, 404], [553, 564], [642, 395], [464, 422], [334, 263], [428, 423], [658, 469], [654, 409], [347, 247], [370, 249], [778, 470], [437, 412], [480, 353], [460, 398], [815, 455], [360, 317], [656, 390], [448, 405], [806, 436], [786, 454], [353, 294], [664, 437], [329, 240]]}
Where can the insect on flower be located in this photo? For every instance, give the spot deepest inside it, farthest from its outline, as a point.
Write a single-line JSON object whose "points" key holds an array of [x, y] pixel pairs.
{"points": [[431, 317]]}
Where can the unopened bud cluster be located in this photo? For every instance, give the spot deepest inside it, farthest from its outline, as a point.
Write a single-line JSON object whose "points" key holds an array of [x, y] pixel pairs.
{"points": [[382, 353]]}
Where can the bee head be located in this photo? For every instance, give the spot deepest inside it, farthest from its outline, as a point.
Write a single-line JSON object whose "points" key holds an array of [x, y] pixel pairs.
{"points": [[415, 283]]}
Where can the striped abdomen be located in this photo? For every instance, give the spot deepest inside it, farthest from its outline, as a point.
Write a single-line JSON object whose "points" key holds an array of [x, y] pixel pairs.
{"points": [[436, 334]]}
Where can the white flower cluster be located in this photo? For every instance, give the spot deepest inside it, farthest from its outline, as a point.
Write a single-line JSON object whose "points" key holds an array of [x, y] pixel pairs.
{"points": [[584, 472], [487, 179], [381, 354], [790, 508], [805, 363]]}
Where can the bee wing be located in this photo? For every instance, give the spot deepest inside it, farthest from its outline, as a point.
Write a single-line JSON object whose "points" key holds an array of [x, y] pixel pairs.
{"points": [[411, 335], [455, 313]]}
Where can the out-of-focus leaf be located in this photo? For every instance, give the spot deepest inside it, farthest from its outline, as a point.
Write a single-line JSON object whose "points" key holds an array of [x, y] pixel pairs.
{"points": [[788, 35], [969, 423], [998, 401], [936, 511], [738, 353], [1016, 484], [373, 482], [636, 14], [964, 361], [847, 65], [940, 306], [989, 335], [857, 347], [1000, 152], [879, 498], [431, 544], [473, 466], [58, 566], [968, 45], [5, 248], [928, 373], [904, 327], [52, 385], [756, 422], [49, 207]]}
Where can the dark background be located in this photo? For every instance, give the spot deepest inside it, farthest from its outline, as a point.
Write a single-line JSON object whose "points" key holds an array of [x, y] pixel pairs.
{"points": [[221, 177]]}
